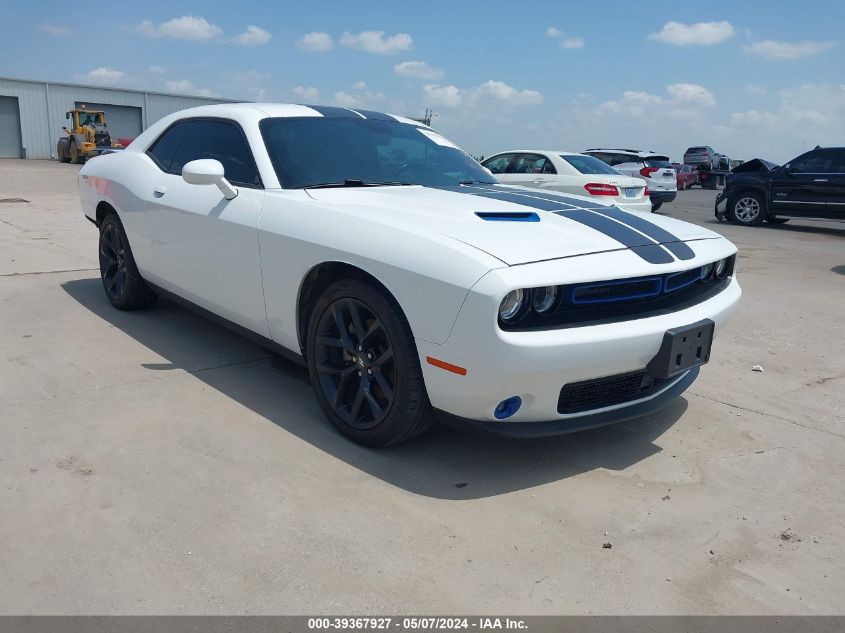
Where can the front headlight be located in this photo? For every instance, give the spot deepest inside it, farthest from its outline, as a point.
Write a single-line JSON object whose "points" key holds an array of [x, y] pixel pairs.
{"points": [[511, 307], [544, 300], [721, 268]]}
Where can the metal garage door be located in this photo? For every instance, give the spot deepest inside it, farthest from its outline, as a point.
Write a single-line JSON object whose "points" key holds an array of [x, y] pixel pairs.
{"points": [[121, 121], [10, 128]]}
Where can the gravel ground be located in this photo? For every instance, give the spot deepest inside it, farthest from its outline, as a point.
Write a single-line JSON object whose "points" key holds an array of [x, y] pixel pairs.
{"points": [[155, 463]]}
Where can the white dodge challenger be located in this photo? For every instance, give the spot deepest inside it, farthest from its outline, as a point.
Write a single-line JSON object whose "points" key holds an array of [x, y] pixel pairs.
{"points": [[410, 281]]}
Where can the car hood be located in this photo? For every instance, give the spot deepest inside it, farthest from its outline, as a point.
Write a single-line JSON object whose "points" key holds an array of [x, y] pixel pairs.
{"points": [[518, 225]]}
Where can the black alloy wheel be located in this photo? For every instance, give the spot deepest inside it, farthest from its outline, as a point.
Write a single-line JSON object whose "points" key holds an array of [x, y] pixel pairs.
{"points": [[113, 261], [124, 286], [365, 366], [355, 363]]}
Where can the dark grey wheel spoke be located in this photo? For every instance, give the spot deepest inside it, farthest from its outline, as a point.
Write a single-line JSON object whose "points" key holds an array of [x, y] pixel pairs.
{"points": [[353, 358], [383, 384]]}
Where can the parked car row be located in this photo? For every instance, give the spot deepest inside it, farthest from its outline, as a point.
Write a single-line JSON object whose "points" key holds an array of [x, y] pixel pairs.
{"points": [[631, 179]]}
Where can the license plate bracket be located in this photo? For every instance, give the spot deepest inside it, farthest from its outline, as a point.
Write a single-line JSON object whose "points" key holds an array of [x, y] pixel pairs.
{"points": [[682, 349]]}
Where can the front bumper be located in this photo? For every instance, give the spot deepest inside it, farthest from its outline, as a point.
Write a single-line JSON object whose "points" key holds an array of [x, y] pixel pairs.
{"points": [[663, 196], [720, 215], [536, 365], [581, 422]]}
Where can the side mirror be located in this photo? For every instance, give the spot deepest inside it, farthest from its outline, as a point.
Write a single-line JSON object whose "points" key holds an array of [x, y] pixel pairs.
{"points": [[208, 171], [67, 115]]}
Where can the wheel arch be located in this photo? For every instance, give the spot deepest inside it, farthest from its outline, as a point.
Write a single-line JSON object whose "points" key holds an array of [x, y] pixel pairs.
{"points": [[320, 277], [103, 209]]}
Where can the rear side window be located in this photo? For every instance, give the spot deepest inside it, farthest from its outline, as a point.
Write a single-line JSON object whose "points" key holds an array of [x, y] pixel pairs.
{"points": [[163, 150], [532, 164], [219, 140], [658, 161], [589, 165], [612, 158]]}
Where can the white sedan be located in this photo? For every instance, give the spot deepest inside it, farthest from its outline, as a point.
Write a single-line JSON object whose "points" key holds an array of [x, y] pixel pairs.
{"points": [[411, 283], [571, 173]]}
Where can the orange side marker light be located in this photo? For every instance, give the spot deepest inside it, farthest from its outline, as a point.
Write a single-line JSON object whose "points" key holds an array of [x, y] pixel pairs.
{"points": [[442, 364]]}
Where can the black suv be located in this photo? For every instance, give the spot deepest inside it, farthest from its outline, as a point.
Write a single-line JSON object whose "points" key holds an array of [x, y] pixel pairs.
{"points": [[810, 186]]}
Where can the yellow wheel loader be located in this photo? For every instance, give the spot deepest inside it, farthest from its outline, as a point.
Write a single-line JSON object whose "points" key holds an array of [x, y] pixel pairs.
{"points": [[87, 136]]}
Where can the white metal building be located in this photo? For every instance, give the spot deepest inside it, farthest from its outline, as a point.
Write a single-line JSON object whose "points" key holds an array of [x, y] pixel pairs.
{"points": [[32, 113]]}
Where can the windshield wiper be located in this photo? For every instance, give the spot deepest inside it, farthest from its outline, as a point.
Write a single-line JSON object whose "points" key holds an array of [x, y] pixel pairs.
{"points": [[357, 182]]}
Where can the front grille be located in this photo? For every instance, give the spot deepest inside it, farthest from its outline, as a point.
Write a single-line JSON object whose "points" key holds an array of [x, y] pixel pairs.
{"points": [[596, 393], [102, 138]]}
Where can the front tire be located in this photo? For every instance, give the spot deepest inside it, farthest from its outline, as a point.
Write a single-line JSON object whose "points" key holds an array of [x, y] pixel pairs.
{"points": [[364, 366], [124, 286], [75, 157], [747, 208]]}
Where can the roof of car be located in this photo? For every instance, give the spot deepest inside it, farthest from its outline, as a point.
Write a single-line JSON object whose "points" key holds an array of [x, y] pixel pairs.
{"points": [[638, 152], [293, 110], [559, 152]]}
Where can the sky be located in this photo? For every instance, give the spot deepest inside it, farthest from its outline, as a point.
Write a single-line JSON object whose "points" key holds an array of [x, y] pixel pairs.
{"points": [[749, 78]]}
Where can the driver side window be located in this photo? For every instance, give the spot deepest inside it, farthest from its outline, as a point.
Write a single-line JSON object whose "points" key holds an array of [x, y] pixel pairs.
{"points": [[498, 164]]}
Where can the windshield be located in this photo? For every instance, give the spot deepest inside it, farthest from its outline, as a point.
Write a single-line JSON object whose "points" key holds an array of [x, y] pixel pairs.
{"points": [[314, 151], [590, 165]]}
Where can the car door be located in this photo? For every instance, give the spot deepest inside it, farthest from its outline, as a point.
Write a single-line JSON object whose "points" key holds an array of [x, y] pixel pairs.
{"points": [[836, 190], [803, 185], [205, 248], [530, 170]]}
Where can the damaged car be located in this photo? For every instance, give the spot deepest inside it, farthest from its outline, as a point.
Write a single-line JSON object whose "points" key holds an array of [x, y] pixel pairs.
{"points": [[809, 186]]}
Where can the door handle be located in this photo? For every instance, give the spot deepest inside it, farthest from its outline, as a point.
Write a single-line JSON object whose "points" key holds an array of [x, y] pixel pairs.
{"points": [[820, 180], [159, 191]]}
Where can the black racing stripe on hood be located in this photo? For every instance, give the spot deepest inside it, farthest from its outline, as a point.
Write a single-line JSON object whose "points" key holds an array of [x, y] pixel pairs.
{"points": [[652, 253], [668, 240], [573, 209]]}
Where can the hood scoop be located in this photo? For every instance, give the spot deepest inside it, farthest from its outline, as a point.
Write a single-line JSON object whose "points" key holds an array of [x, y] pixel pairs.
{"points": [[508, 216]]}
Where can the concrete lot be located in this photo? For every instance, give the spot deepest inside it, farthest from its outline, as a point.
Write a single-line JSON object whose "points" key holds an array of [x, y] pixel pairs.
{"points": [[155, 463]]}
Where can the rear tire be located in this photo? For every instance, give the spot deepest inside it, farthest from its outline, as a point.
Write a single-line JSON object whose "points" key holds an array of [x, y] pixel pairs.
{"points": [[747, 208], [655, 206], [61, 152], [123, 284], [364, 366]]}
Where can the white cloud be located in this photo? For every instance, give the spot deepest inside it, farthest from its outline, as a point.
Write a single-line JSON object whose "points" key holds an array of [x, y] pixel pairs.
{"points": [[155, 69], [418, 70], [56, 30], [377, 42], [553, 32], [185, 86], [316, 42], [187, 27], [572, 42], [253, 36], [501, 91], [488, 92], [360, 85], [771, 49], [681, 100], [306, 93], [700, 33], [449, 96], [104, 74], [755, 89], [358, 100]]}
